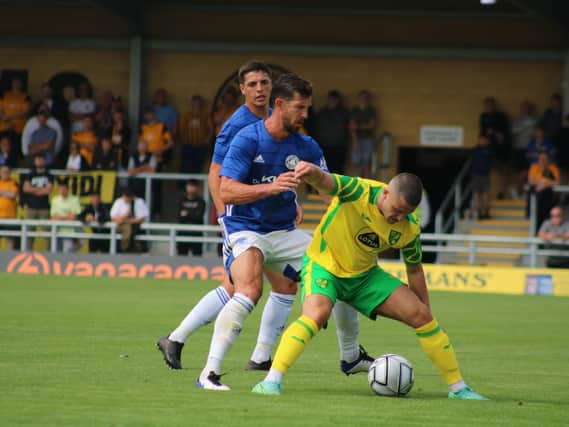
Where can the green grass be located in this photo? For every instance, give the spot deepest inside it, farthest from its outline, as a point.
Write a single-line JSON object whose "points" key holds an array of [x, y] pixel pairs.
{"points": [[61, 341]]}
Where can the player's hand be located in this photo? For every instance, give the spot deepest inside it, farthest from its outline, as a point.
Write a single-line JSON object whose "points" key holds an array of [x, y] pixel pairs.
{"points": [[285, 182], [305, 170]]}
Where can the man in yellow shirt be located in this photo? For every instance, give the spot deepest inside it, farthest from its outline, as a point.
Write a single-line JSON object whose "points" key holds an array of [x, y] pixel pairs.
{"points": [[65, 207], [542, 177], [87, 139], [195, 132], [15, 106], [8, 198], [157, 137], [363, 220]]}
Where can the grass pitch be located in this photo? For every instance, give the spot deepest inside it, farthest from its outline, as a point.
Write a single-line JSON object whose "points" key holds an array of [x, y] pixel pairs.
{"points": [[80, 351]]}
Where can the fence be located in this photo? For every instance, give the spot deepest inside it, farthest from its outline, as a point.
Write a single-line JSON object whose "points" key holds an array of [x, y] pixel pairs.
{"points": [[170, 234]]}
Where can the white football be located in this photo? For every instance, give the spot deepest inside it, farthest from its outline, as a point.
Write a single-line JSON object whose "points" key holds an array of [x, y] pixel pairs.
{"points": [[391, 375]]}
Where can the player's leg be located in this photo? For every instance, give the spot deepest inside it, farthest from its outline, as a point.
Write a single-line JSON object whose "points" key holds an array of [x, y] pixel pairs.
{"points": [[203, 313], [353, 357], [404, 305], [319, 296], [316, 310], [275, 314], [246, 267]]}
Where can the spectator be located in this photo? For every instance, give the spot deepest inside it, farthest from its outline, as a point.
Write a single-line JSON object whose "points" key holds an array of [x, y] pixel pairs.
{"points": [[363, 124], [552, 118], [191, 211], [14, 108], [7, 158], [42, 140], [55, 108], [538, 144], [76, 162], [129, 212], [196, 135], [523, 128], [165, 113], [104, 115], [225, 108], [140, 162], [36, 190], [542, 177], [82, 106], [563, 150], [480, 175], [96, 214], [117, 105], [157, 137], [8, 203], [33, 124], [120, 138], [87, 139], [495, 125], [555, 231], [65, 207], [105, 157], [333, 133]]}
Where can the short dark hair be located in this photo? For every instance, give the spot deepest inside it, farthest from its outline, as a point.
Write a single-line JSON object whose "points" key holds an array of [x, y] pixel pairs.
{"points": [[252, 66], [288, 84], [194, 182], [409, 186], [127, 191]]}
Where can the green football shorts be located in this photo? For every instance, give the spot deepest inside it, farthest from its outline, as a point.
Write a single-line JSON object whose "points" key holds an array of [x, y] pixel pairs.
{"points": [[364, 291]]}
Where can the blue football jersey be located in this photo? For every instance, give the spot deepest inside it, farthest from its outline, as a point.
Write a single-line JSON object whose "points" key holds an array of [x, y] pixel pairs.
{"points": [[241, 118], [254, 157]]}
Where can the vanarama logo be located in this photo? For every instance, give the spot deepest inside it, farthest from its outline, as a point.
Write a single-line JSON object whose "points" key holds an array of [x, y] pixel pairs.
{"points": [[37, 263]]}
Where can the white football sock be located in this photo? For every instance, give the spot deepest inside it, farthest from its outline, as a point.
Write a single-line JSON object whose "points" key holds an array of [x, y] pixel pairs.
{"points": [[456, 387], [275, 315], [227, 328], [205, 311], [347, 330], [274, 376]]}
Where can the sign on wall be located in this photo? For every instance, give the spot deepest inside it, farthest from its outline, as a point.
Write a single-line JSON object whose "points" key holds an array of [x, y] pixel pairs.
{"points": [[442, 136], [454, 278]]}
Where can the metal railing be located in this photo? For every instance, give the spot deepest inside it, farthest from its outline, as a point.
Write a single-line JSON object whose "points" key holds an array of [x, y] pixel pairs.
{"points": [[170, 233], [457, 195]]}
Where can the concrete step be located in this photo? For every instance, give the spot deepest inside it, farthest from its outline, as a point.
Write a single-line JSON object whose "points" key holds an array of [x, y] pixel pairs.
{"points": [[497, 213], [485, 232], [508, 203]]}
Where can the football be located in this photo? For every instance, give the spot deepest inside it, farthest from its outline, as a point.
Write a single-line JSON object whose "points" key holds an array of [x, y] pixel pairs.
{"points": [[391, 375]]}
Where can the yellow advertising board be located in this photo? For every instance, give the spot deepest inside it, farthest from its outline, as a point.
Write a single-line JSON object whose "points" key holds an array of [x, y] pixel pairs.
{"points": [[82, 184], [485, 279]]}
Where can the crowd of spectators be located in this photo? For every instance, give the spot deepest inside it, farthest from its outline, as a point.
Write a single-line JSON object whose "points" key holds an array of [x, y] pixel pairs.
{"points": [[532, 150]]}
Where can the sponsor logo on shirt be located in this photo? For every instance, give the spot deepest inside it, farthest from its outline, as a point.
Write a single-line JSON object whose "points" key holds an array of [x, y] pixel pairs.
{"points": [[369, 239], [259, 159]]}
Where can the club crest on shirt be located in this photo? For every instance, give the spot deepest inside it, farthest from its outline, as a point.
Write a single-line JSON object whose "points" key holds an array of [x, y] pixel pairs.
{"points": [[394, 237], [369, 239], [291, 161]]}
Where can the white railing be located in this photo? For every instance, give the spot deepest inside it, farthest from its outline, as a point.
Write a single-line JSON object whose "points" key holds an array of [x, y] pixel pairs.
{"points": [[441, 243]]}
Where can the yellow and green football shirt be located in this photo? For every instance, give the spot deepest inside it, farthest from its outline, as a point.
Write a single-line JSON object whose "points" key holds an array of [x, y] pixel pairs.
{"points": [[353, 231]]}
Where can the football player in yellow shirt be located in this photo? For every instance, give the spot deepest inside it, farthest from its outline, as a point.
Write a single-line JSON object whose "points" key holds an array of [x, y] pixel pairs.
{"points": [[364, 219]]}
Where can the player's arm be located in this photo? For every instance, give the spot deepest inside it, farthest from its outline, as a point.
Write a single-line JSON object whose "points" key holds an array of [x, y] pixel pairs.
{"points": [[233, 192], [214, 182], [412, 255], [418, 283], [315, 176]]}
